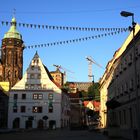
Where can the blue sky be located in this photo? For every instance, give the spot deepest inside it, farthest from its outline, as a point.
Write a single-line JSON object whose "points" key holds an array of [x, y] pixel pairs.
{"points": [[73, 13]]}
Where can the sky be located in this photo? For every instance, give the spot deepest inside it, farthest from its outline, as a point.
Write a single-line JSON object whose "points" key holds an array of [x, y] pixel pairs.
{"points": [[72, 13]]}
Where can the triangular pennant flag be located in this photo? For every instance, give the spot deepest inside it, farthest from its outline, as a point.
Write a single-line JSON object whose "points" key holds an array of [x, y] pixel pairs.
{"points": [[46, 26], [2, 22], [63, 28], [31, 25], [27, 25], [6, 23]]}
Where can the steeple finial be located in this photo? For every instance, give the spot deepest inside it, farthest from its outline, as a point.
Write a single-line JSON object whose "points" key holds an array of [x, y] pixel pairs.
{"points": [[14, 12]]}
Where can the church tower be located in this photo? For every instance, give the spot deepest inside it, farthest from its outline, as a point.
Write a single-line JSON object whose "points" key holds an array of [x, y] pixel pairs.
{"points": [[12, 55]]}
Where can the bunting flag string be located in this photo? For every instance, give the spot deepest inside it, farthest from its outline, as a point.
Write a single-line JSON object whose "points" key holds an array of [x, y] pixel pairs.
{"points": [[75, 40], [51, 27]]}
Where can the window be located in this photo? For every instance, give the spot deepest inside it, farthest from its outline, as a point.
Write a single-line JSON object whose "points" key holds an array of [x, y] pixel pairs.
{"points": [[23, 109], [50, 96], [23, 96], [120, 117], [125, 64], [38, 86], [136, 53], [131, 85], [26, 86], [39, 68], [32, 76], [50, 108], [32, 86], [32, 67], [121, 90], [121, 67], [116, 71], [126, 88], [15, 96], [38, 96], [38, 76], [138, 81], [130, 59], [124, 115], [35, 96], [44, 86], [37, 109], [14, 109]]}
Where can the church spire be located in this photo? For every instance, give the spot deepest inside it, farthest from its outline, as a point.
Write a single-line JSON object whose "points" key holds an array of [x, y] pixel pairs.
{"points": [[13, 33]]}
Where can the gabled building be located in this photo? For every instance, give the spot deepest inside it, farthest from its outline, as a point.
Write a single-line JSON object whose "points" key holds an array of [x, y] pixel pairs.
{"points": [[36, 100]]}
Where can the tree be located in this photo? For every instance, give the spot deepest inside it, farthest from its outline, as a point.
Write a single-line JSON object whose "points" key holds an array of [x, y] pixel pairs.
{"points": [[93, 91]]}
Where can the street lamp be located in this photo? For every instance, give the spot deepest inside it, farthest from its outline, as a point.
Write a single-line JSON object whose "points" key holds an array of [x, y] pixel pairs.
{"points": [[127, 14]]}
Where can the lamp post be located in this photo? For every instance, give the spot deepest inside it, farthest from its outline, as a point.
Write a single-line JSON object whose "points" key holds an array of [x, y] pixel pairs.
{"points": [[132, 28]]}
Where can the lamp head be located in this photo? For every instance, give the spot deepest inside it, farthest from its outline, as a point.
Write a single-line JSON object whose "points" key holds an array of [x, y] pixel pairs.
{"points": [[126, 14]]}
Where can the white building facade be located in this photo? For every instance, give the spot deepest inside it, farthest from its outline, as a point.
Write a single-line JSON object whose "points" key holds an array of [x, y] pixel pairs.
{"points": [[35, 101]]}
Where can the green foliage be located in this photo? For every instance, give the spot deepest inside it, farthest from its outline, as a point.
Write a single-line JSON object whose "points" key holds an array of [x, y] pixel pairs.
{"points": [[93, 91]]}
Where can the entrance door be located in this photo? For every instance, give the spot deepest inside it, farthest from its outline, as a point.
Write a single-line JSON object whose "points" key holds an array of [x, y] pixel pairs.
{"points": [[16, 123], [40, 124], [28, 124], [52, 124]]}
